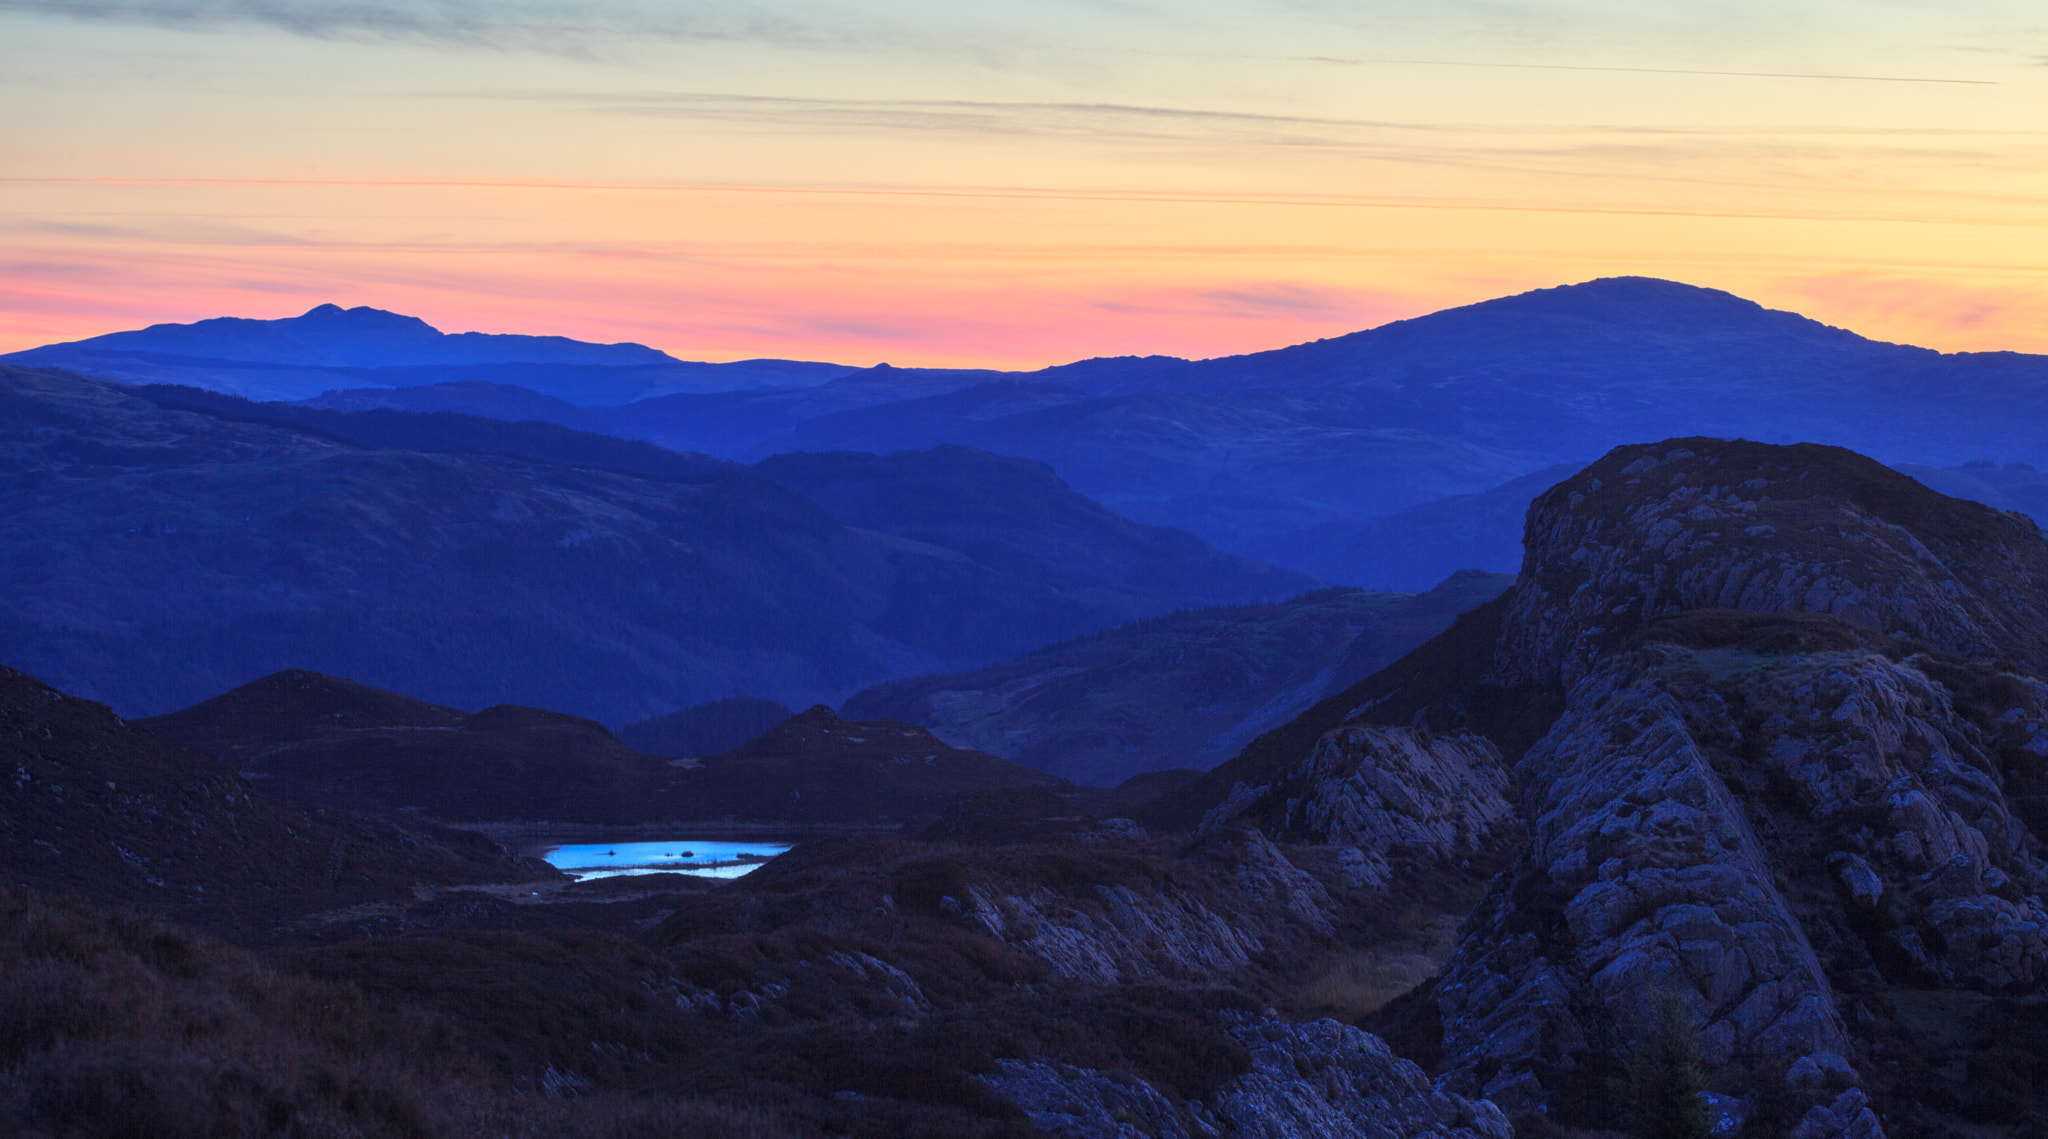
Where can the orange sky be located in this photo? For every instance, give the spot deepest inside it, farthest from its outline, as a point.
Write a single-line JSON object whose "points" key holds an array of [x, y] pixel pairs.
{"points": [[1015, 185]]}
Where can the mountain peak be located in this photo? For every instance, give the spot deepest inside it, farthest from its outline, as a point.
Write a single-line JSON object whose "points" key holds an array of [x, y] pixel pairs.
{"points": [[330, 336]]}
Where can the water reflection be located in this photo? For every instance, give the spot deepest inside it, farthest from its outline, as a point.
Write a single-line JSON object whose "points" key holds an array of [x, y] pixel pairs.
{"points": [[703, 858]]}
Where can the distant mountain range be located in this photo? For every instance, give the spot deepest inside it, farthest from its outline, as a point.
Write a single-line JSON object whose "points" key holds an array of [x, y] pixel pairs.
{"points": [[1296, 456], [332, 347], [157, 548]]}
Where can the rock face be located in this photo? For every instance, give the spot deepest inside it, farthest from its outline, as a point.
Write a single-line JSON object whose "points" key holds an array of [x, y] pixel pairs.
{"points": [[1375, 792], [1109, 932], [1794, 777], [1321, 1079], [1710, 524], [1644, 879]]}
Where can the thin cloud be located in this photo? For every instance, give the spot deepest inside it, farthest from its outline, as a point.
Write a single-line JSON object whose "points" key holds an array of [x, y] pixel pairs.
{"points": [[1299, 300], [556, 28], [1368, 62]]}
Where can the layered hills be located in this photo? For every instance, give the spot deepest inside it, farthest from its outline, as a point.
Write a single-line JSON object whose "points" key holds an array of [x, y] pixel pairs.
{"points": [[1296, 456], [305, 738], [1725, 819], [1185, 691], [160, 553]]}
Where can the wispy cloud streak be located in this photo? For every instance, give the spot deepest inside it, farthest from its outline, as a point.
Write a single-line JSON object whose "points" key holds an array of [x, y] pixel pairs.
{"points": [[558, 28], [1617, 70]]}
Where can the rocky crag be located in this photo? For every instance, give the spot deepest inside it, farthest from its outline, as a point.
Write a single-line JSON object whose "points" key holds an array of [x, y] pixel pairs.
{"points": [[1761, 730]]}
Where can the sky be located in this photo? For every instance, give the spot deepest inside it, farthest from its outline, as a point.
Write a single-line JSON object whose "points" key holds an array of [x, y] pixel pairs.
{"points": [[1013, 184]]}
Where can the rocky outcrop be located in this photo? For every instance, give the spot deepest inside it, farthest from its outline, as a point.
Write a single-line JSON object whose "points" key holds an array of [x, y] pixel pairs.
{"points": [[1324, 1080], [1202, 926], [1376, 792], [1643, 880], [1713, 524], [1764, 838]]}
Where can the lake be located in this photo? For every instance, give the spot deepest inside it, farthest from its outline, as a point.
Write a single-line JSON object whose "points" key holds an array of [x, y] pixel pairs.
{"points": [[701, 857]]}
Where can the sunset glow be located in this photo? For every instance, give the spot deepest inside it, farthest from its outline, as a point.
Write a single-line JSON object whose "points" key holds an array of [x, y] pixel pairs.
{"points": [[1021, 185]]}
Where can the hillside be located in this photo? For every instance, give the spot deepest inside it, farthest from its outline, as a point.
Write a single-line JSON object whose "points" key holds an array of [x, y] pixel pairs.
{"points": [[1019, 515], [103, 809], [157, 556], [315, 740], [1189, 690]]}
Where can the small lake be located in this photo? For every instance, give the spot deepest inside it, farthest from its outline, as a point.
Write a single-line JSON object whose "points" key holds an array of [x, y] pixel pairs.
{"points": [[701, 857]]}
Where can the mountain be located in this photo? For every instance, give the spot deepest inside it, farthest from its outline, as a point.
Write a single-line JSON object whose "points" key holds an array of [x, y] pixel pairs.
{"points": [[1426, 543], [705, 729], [1765, 733], [101, 808], [332, 347], [155, 556], [1020, 517], [1286, 455], [305, 738], [302, 737], [444, 432], [2014, 486], [1189, 690], [816, 768], [1459, 401]]}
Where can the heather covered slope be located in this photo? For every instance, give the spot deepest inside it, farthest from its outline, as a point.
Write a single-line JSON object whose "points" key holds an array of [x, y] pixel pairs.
{"points": [[155, 557], [101, 808], [1183, 691]]}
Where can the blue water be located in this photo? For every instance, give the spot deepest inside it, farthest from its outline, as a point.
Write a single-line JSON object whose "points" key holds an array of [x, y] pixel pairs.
{"points": [[702, 858]]}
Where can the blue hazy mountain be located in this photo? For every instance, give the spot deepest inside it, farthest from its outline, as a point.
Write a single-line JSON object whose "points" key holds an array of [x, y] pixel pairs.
{"points": [[1301, 456], [330, 347], [159, 545]]}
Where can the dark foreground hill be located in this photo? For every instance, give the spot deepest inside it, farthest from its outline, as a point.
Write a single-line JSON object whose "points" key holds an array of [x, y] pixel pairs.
{"points": [[101, 808], [1185, 691], [310, 739], [155, 556]]}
